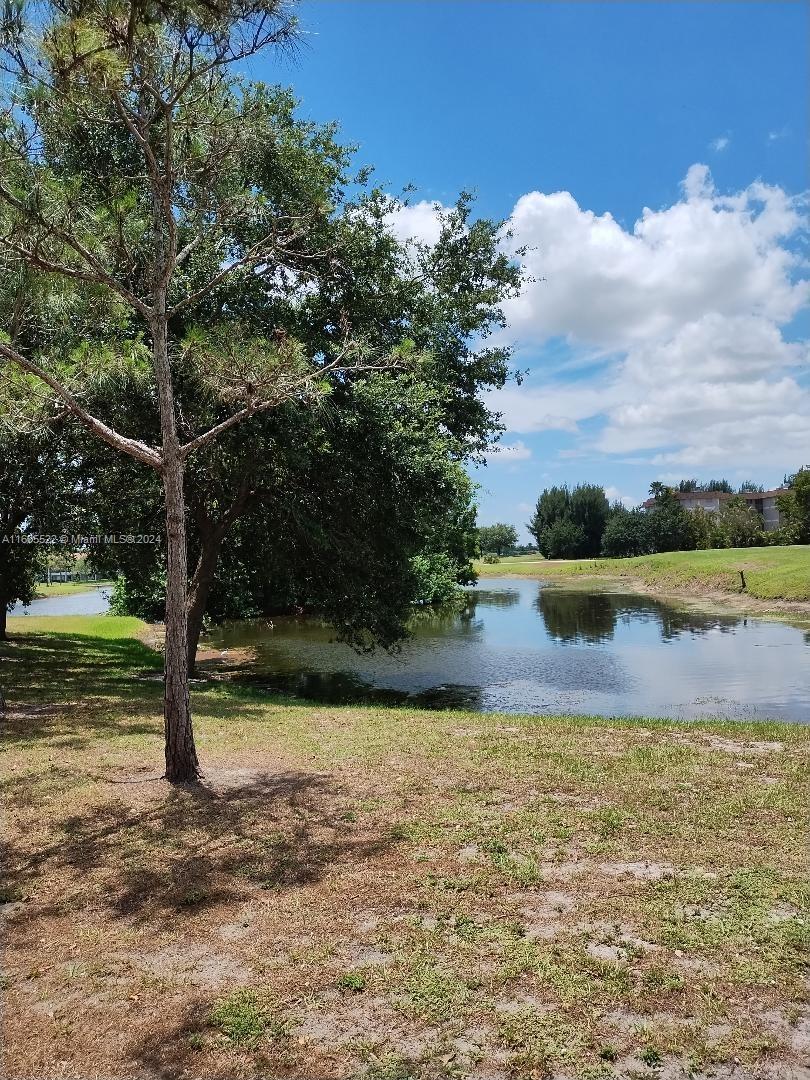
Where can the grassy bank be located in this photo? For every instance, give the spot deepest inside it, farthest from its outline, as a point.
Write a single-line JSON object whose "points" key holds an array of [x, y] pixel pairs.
{"points": [[68, 588], [772, 573], [388, 894]]}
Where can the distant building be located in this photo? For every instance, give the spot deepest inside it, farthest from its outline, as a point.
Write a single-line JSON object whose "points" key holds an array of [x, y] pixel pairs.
{"points": [[764, 502]]}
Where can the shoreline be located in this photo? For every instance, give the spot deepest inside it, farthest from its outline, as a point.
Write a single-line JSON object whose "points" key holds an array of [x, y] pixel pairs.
{"points": [[699, 597]]}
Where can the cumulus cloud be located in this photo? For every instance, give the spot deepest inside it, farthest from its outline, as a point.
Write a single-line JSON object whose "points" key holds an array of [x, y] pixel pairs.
{"points": [[720, 143], [419, 221], [681, 318]]}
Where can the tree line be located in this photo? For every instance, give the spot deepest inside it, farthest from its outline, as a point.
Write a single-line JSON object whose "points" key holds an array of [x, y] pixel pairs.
{"points": [[581, 523]]}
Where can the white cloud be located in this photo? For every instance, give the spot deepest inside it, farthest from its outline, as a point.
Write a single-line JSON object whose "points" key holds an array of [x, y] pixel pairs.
{"points": [[686, 312], [419, 221], [502, 454], [614, 495], [781, 133], [720, 143]]}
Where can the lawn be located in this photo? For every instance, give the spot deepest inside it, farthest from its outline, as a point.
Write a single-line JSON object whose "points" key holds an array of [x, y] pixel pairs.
{"points": [[771, 573], [389, 893]]}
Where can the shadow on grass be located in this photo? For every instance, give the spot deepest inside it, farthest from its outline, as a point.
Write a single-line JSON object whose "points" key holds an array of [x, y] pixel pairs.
{"points": [[50, 679], [192, 848], [60, 664]]}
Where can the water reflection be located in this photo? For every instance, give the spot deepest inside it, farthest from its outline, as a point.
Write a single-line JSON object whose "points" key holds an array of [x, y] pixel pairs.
{"points": [[576, 616], [519, 645]]}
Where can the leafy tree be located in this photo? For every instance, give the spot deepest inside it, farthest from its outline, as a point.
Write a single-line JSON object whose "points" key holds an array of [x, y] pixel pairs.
{"points": [[144, 183], [553, 504], [794, 505], [497, 539], [563, 539], [668, 527], [627, 534], [737, 524], [749, 487], [589, 511], [686, 486], [583, 511]]}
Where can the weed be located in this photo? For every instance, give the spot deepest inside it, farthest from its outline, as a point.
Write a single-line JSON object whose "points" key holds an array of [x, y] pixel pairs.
{"points": [[657, 980], [650, 1056], [352, 980], [609, 822], [244, 1021]]}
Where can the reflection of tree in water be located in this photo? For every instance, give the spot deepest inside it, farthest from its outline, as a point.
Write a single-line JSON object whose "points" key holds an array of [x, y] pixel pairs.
{"points": [[349, 688], [577, 616], [675, 622], [492, 598], [591, 617]]}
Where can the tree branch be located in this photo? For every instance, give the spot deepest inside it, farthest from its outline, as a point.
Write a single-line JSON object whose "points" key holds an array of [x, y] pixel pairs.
{"points": [[133, 447]]}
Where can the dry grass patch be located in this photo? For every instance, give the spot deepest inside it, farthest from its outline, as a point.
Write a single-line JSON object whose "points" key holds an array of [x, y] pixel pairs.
{"points": [[391, 894]]}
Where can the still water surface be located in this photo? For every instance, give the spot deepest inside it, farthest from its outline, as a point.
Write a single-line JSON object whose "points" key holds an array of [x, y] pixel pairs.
{"points": [[94, 601], [524, 646]]}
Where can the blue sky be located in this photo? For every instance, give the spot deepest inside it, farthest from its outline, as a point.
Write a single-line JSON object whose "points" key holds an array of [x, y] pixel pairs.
{"points": [[674, 348]]}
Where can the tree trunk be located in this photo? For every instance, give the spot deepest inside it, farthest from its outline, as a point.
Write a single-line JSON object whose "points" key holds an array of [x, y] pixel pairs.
{"points": [[199, 591], [181, 755], [3, 617]]}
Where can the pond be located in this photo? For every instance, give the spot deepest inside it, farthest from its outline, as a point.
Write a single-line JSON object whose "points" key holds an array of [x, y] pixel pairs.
{"points": [[94, 600], [525, 646]]}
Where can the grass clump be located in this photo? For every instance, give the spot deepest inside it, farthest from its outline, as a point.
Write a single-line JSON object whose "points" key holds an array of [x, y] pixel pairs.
{"points": [[434, 993], [354, 981], [244, 1020]]}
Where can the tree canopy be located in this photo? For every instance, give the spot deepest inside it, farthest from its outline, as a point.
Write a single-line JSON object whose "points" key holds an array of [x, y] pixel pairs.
{"points": [[209, 268]]}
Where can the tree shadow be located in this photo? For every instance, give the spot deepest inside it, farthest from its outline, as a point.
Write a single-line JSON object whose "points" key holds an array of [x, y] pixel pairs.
{"points": [[197, 846]]}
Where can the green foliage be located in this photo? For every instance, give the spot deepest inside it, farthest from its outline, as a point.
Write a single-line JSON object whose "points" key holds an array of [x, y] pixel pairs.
{"points": [[563, 539], [497, 539], [795, 506], [289, 290], [668, 526], [737, 524], [569, 524], [712, 485], [626, 534], [41, 495], [437, 577]]}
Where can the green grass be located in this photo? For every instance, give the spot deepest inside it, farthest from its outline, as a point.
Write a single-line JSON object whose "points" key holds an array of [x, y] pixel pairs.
{"points": [[387, 893], [67, 588], [771, 573]]}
